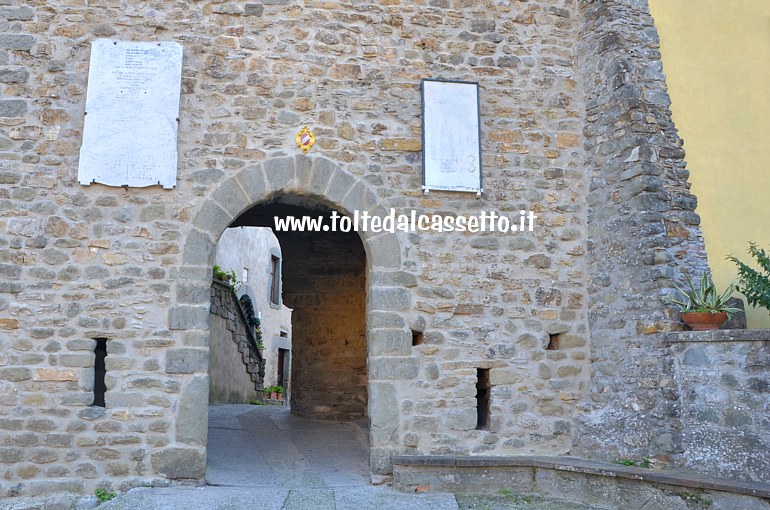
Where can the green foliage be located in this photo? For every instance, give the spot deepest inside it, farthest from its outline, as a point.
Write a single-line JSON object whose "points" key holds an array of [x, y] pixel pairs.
{"points": [[248, 310], [256, 402], [705, 298], [251, 319], [221, 274], [104, 495], [227, 276], [273, 389], [753, 284]]}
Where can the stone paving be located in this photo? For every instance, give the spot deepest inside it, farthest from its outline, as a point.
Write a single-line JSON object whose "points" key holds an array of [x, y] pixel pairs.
{"points": [[261, 457], [253, 446]]}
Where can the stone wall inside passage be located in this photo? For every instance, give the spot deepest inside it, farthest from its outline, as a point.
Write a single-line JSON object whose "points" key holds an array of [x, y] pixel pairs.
{"points": [[324, 282]]}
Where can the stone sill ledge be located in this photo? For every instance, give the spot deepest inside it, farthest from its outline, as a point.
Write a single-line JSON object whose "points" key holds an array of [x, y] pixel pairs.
{"points": [[221, 282], [576, 465], [721, 335]]}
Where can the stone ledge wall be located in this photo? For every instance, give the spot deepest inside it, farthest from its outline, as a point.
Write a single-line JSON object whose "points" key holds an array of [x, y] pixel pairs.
{"points": [[236, 367], [723, 381], [576, 480]]}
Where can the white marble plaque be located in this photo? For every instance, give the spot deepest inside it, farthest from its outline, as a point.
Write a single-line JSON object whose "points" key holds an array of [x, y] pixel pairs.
{"points": [[132, 106], [451, 145]]}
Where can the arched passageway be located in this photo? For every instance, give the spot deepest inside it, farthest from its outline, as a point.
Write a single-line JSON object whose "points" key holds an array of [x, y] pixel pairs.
{"points": [[374, 264], [323, 280]]}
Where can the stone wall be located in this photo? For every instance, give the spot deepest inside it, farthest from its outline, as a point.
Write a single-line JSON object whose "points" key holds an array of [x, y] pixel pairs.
{"points": [[642, 233], [575, 127], [251, 248], [723, 378], [325, 284], [236, 367]]}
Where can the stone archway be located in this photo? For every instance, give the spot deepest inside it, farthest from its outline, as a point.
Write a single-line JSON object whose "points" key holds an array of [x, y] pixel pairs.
{"points": [[388, 346]]}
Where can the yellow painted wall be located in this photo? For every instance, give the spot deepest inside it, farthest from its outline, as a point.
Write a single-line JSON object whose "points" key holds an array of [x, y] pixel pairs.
{"points": [[716, 57]]}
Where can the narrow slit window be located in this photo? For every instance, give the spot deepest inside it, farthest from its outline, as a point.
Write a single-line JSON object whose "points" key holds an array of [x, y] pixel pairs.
{"points": [[553, 343], [100, 388], [482, 398], [416, 338]]}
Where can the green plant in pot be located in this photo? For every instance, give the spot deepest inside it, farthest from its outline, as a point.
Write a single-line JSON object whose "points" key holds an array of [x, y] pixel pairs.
{"points": [[227, 277], [273, 392], [703, 307]]}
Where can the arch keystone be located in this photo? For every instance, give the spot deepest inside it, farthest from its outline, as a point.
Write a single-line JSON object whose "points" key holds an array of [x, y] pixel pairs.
{"points": [[322, 173]]}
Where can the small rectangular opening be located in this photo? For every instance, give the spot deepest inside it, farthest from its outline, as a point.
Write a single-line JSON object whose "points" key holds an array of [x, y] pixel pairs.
{"points": [[553, 342], [416, 338], [100, 388], [482, 398]]}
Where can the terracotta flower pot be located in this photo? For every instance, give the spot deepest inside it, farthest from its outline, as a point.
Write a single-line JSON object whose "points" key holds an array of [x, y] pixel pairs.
{"points": [[704, 321]]}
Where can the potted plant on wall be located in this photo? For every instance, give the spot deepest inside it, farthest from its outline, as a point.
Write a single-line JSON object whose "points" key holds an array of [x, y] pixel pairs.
{"points": [[704, 308], [273, 392], [227, 277]]}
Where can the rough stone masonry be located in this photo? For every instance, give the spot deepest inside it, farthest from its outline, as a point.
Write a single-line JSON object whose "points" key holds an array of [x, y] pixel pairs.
{"points": [[575, 127]]}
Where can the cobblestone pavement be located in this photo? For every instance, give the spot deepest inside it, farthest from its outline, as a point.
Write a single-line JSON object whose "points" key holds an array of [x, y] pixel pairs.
{"points": [[261, 457]]}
